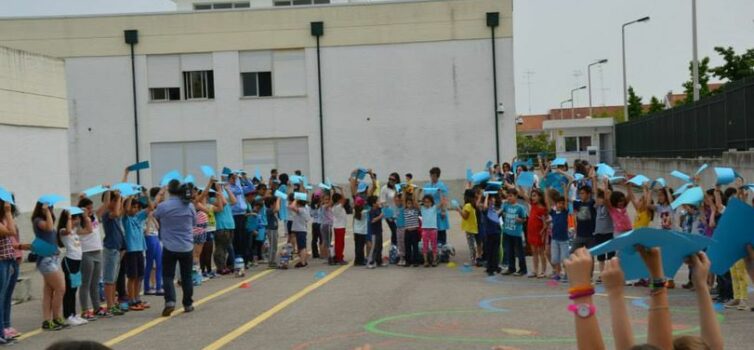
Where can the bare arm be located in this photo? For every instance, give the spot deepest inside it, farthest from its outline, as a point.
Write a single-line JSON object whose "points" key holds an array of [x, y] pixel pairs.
{"points": [[588, 334], [87, 225], [707, 317], [48, 224], [613, 280], [660, 326], [125, 176], [8, 226], [117, 210], [231, 197]]}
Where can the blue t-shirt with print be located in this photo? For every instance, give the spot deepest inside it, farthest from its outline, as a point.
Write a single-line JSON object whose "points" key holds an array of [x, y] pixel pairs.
{"points": [[511, 212], [400, 219], [134, 227], [224, 218], [442, 191]]}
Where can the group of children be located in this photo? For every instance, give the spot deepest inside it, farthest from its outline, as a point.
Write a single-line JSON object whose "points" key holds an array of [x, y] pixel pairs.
{"points": [[583, 211], [113, 253]]}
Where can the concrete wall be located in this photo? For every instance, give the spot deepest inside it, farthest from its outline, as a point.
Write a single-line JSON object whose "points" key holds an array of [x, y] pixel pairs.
{"points": [[33, 123], [398, 107], [372, 23], [32, 90], [742, 162]]}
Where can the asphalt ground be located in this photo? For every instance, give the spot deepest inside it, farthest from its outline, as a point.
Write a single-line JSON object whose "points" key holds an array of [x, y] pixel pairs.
{"points": [[349, 307]]}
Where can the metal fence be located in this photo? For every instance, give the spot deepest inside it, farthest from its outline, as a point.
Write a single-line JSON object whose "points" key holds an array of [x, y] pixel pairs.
{"points": [[705, 128]]}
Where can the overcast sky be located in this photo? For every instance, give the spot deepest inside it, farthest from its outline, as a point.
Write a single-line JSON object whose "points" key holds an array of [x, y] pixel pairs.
{"points": [[556, 39]]}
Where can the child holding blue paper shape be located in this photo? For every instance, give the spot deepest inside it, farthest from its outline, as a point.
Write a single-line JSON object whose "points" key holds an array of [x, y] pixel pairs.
{"points": [[558, 221], [513, 215], [536, 230], [69, 227], [299, 222], [374, 231], [489, 207], [469, 224]]}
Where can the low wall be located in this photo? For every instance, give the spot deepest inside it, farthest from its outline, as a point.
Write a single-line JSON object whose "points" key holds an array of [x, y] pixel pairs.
{"points": [[742, 162]]}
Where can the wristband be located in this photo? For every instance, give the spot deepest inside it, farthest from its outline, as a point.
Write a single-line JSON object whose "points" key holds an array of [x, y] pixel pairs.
{"points": [[657, 283], [577, 295], [579, 289]]}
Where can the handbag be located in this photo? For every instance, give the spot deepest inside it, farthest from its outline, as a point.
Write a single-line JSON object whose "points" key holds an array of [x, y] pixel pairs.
{"points": [[43, 248], [74, 277]]}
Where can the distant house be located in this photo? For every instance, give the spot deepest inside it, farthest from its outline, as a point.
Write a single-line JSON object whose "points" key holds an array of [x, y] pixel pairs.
{"points": [[673, 99]]}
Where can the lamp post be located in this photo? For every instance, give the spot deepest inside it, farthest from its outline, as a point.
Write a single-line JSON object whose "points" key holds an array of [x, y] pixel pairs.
{"points": [[589, 78], [573, 107], [623, 45], [694, 58], [561, 107]]}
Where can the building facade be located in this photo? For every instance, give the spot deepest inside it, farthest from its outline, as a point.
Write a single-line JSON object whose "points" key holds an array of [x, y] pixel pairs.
{"points": [[405, 86], [33, 126], [586, 138]]}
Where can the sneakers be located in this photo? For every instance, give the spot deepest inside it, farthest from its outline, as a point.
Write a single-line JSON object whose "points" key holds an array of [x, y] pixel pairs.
{"points": [[61, 322], [371, 266], [116, 311], [742, 306], [531, 275], [168, 310], [188, 308], [160, 292], [136, 307], [507, 272], [104, 313], [89, 315], [124, 306], [11, 333], [51, 326], [151, 291], [732, 304], [402, 262], [518, 274], [75, 321]]}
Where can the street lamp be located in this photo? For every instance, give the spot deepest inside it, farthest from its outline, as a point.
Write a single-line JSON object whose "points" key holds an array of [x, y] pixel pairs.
{"points": [[589, 78], [561, 107], [573, 104], [694, 58], [623, 44]]}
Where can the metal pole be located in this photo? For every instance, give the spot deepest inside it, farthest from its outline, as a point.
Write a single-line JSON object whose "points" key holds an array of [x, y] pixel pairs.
{"points": [[572, 104], [136, 113], [589, 82], [321, 123], [623, 48], [494, 92], [694, 59]]}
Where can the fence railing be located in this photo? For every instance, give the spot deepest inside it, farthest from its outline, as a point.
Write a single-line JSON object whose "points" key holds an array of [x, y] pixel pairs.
{"points": [[705, 128]]}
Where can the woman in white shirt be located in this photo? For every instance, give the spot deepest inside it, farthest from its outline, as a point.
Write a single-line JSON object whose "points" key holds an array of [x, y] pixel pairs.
{"points": [[339, 226], [69, 227]]}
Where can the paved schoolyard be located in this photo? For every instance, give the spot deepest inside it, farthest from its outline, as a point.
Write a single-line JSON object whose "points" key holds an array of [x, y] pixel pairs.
{"points": [[389, 308]]}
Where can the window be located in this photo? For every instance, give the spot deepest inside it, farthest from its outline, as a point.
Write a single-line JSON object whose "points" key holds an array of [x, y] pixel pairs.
{"points": [[198, 85], [571, 144], [300, 2], [164, 94], [257, 83], [284, 154], [584, 142], [222, 6], [186, 157]]}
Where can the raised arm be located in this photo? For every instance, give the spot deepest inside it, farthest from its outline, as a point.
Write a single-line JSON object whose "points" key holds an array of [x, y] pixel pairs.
{"points": [[125, 176], [48, 224], [614, 280], [699, 265], [579, 268], [86, 225], [8, 226], [231, 197], [660, 326]]}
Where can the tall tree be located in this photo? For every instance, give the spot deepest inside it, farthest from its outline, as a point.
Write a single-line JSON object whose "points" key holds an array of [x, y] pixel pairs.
{"points": [[736, 67], [704, 74], [635, 109], [655, 105]]}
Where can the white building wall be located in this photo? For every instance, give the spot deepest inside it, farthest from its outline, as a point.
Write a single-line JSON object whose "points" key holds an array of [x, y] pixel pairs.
{"points": [[33, 122], [397, 107]]}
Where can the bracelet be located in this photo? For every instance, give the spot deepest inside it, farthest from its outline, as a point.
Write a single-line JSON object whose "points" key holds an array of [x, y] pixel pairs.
{"points": [[657, 283], [577, 295], [582, 288]]}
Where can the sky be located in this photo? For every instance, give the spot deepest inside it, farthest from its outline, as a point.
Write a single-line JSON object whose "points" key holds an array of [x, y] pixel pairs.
{"points": [[555, 40]]}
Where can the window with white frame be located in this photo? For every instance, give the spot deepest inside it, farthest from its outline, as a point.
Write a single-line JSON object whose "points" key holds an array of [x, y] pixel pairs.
{"points": [[221, 6], [164, 94], [300, 2], [571, 144], [198, 85], [256, 84]]}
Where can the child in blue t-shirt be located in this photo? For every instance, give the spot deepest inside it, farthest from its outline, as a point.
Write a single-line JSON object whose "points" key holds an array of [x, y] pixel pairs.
{"points": [[559, 242], [136, 245], [513, 215]]}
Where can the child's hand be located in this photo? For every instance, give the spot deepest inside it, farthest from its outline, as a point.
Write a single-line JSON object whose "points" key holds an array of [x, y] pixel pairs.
{"points": [[612, 277], [699, 264], [652, 259], [579, 267]]}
